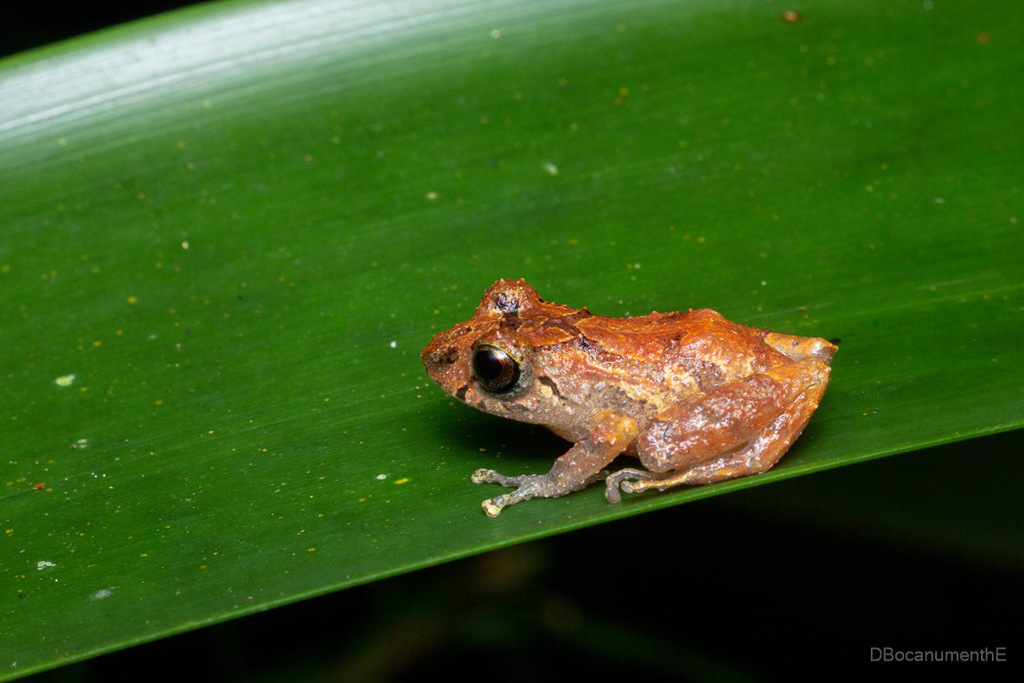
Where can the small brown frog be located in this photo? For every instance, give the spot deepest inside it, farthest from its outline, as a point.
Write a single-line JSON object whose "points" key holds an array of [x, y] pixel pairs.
{"points": [[697, 398]]}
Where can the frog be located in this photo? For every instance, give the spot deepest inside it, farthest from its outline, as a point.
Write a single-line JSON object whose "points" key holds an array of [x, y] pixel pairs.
{"points": [[697, 399]]}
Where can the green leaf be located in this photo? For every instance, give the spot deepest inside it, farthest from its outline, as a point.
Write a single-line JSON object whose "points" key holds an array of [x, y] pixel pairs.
{"points": [[228, 233]]}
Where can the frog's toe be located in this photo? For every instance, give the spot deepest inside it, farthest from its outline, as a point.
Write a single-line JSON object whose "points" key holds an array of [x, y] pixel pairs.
{"points": [[493, 506], [622, 480], [486, 476], [482, 476]]}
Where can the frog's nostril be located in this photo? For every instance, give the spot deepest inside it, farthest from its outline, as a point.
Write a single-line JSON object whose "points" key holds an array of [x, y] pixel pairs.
{"points": [[446, 356]]}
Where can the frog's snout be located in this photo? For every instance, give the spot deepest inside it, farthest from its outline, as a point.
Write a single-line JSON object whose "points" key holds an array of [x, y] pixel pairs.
{"points": [[819, 348], [799, 348]]}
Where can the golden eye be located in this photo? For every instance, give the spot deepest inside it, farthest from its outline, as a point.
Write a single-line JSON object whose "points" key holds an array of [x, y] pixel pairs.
{"points": [[497, 371]]}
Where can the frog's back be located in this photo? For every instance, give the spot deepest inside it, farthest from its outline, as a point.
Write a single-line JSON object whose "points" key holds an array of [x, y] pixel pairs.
{"points": [[685, 354], [671, 334]]}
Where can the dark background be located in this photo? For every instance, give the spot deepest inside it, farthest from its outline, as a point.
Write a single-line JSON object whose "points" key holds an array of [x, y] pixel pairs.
{"points": [[711, 590], [26, 25]]}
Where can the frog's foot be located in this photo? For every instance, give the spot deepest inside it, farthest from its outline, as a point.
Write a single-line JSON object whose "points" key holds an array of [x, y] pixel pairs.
{"points": [[632, 480], [493, 506], [527, 486]]}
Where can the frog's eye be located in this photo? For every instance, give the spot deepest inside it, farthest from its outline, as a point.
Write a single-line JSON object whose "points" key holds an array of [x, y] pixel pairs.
{"points": [[495, 369]]}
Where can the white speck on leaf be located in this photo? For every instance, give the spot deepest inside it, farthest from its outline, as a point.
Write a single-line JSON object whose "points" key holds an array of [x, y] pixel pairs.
{"points": [[103, 593]]}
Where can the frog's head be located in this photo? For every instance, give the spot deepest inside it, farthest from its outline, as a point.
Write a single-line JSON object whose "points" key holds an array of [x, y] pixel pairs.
{"points": [[489, 361]]}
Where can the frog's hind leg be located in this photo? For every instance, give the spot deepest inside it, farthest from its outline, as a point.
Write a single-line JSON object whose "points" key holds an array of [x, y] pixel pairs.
{"points": [[764, 446]]}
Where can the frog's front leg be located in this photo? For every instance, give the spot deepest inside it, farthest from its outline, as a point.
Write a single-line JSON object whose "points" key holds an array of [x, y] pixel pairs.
{"points": [[581, 465]]}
